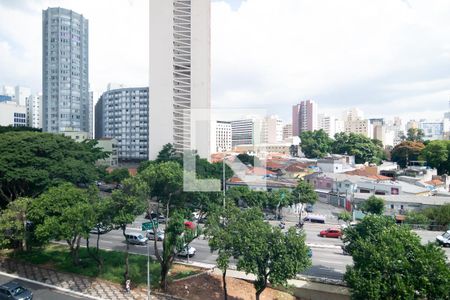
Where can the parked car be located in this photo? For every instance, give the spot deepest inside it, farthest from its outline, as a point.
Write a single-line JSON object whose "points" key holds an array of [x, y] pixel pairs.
{"points": [[99, 230], [136, 238], [309, 208], [187, 251], [331, 233], [444, 239], [155, 216], [315, 218], [13, 290], [159, 235]]}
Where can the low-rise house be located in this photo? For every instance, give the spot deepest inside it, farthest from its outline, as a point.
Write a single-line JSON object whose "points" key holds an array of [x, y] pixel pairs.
{"points": [[336, 163]]}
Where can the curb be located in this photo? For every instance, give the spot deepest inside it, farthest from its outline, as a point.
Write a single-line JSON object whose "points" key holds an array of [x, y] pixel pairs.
{"points": [[50, 286], [323, 246]]}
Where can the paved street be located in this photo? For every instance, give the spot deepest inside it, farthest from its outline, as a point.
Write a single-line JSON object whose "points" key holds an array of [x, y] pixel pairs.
{"points": [[40, 292], [328, 260]]}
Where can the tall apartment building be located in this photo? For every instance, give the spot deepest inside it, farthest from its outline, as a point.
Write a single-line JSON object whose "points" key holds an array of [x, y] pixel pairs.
{"points": [[272, 130], [434, 130], [304, 117], [21, 94], [412, 124], [65, 71], [354, 122], [246, 131], [12, 114], [34, 110], [122, 114], [221, 136], [287, 131], [330, 124], [180, 75]]}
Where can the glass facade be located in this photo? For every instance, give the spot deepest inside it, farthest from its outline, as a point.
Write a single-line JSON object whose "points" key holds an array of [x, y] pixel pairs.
{"points": [[65, 71]]}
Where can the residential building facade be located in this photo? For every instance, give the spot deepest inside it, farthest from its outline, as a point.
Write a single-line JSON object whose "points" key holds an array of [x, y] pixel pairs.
{"points": [[12, 114], [221, 139], [65, 71], [122, 114], [180, 75], [287, 131], [34, 110]]}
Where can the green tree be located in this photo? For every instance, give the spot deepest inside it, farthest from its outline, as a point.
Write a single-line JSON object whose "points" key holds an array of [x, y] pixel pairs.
{"points": [[390, 263], [278, 199], [406, 151], [417, 220], [176, 237], [436, 153], [304, 193], [315, 144], [118, 175], [127, 204], [363, 148], [169, 153], [373, 205], [65, 213], [31, 162], [268, 253], [13, 225], [345, 216], [248, 159], [439, 216], [219, 230], [10, 128], [415, 135]]}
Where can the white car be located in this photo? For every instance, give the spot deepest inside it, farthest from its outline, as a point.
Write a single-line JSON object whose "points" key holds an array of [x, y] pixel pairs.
{"points": [[159, 235], [185, 252], [444, 239]]}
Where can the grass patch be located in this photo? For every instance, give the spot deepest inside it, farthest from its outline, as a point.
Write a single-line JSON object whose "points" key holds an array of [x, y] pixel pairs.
{"points": [[58, 258]]}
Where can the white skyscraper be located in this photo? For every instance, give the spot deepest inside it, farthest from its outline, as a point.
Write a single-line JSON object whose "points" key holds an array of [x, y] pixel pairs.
{"points": [[34, 110], [22, 93], [179, 75], [220, 136]]}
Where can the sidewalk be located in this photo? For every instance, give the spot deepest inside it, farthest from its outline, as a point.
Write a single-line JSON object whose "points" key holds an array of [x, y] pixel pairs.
{"points": [[90, 287]]}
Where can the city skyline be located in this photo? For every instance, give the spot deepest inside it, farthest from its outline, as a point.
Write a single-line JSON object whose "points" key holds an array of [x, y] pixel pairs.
{"points": [[399, 66]]}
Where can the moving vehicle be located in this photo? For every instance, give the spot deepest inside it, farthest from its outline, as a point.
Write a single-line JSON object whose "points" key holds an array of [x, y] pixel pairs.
{"points": [[155, 216], [331, 233], [309, 252], [309, 208], [13, 290], [187, 251], [315, 218], [159, 235], [99, 229], [136, 238], [444, 239]]}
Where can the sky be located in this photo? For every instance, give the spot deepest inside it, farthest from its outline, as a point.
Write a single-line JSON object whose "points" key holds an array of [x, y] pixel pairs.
{"points": [[387, 57]]}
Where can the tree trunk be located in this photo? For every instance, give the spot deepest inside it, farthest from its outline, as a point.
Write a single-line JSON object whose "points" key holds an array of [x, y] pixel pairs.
{"points": [[94, 255], [164, 271], [76, 252], [225, 293], [126, 275]]}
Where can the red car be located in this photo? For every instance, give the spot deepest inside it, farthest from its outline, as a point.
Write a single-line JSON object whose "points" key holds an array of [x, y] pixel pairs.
{"points": [[331, 233]]}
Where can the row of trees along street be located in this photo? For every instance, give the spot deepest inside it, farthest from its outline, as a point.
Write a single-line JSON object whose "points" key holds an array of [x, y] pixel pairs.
{"points": [[47, 194]]}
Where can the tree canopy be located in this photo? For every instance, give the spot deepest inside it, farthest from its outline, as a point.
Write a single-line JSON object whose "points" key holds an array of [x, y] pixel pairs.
{"points": [[315, 144], [373, 205], [415, 135], [363, 148], [391, 263], [406, 151], [31, 162], [436, 153]]}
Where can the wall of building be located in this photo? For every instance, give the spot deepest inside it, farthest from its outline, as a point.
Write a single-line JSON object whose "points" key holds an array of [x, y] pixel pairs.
{"points": [[12, 114], [122, 114]]}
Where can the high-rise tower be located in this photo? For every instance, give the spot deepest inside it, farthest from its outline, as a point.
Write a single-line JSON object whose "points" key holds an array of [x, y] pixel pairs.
{"points": [[65, 71], [180, 75]]}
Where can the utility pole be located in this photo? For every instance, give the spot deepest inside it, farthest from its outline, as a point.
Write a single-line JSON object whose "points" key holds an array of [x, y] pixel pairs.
{"points": [[148, 266], [223, 180]]}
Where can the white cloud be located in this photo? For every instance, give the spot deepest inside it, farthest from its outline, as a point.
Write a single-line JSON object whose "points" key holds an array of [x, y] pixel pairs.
{"points": [[388, 57], [340, 53], [118, 41]]}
